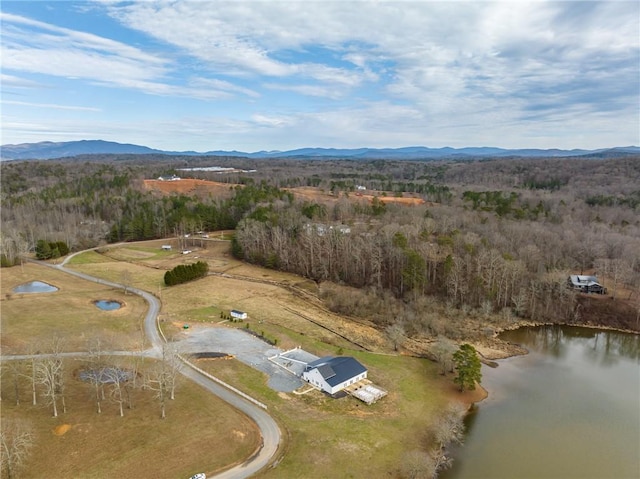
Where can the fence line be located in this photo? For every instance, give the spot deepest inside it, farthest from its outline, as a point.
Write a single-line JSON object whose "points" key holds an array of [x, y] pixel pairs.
{"points": [[222, 383]]}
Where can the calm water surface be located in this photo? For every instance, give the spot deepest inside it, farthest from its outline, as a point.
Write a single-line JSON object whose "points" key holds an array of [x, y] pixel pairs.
{"points": [[106, 305], [568, 409], [35, 287]]}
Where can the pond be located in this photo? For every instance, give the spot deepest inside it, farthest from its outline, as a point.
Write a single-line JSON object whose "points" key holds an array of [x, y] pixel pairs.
{"points": [[568, 409], [108, 305], [35, 287]]}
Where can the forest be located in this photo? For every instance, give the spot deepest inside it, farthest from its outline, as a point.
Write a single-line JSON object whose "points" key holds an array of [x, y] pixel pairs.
{"points": [[489, 244]]}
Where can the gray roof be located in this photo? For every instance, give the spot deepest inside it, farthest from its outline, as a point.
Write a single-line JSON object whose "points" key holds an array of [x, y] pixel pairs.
{"points": [[336, 370], [583, 280]]}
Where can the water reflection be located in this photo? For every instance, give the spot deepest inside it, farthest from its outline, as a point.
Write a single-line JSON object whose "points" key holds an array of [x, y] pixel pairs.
{"points": [[568, 409], [601, 346], [35, 287]]}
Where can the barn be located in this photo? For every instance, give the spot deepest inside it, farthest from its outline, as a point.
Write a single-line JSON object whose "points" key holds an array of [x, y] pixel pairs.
{"points": [[332, 374]]}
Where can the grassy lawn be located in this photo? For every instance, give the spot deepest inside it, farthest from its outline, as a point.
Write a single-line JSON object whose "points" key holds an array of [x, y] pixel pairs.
{"points": [[323, 437], [30, 320], [200, 433], [344, 437]]}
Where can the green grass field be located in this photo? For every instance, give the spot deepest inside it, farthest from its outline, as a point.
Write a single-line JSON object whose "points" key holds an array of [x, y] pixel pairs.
{"points": [[345, 437]]}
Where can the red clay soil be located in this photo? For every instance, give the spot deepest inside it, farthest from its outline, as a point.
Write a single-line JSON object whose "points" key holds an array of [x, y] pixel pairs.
{"points": [[191, 186], [396, 199], [198, 187]]}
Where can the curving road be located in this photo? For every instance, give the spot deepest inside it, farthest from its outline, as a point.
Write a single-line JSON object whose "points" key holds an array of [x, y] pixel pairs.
{"points": [[268, 427]]}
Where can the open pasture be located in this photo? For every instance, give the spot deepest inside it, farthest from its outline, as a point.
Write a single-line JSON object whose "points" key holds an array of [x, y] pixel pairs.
{"points": [[200, 433], [31, 320]]}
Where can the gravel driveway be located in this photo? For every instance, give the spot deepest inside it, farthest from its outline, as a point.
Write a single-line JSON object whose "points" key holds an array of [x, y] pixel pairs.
{"points": [[245, 347]]}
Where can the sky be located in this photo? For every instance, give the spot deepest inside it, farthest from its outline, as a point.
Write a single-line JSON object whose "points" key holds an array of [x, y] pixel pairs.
{"points": [[252, 75]]}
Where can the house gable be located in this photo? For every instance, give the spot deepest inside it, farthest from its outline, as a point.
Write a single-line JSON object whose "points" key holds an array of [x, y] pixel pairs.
{"points": [[335, 372]]}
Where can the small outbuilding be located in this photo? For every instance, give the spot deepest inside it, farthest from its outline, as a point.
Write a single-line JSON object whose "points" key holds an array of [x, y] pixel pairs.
{"points": [[235, 314], [166, 247], [333, 374]]}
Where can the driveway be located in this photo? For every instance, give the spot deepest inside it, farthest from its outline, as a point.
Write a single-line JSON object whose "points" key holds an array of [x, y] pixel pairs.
{"points": [[245, 347]]}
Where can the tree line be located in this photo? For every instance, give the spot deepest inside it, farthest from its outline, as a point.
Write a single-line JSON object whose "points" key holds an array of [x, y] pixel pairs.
{"points": [[501, 240]]}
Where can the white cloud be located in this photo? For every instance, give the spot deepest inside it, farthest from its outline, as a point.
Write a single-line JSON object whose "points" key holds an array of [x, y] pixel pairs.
{"points": [[18, 82], [47, 49], [357, 73], [51, 105]]}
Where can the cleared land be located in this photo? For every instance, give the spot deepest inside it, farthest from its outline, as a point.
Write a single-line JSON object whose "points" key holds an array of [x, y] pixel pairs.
{"points": [[204, 187], [341, 438], [30, 320]]}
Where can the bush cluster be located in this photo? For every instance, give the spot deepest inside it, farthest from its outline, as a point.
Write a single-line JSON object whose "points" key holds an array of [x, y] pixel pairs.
{"points": [[51, 249], [184, 273]]}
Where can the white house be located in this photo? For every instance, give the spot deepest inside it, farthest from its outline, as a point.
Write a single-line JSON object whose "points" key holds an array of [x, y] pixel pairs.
{"points": [[238, 314], [332, 374]]}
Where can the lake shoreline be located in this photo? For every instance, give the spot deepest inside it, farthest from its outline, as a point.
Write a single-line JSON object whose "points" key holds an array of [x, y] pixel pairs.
{"points": [[494, 348], [570, 367]]}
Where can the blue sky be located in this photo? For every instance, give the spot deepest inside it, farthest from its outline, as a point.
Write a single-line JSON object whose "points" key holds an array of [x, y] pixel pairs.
{"points": [[277, 75]]}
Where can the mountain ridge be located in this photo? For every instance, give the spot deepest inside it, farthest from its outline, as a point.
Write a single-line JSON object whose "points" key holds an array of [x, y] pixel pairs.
{"points": [[49, 150]]}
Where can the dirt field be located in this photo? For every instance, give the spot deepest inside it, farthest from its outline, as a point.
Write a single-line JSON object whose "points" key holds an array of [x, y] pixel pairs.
{"points": [[224, 190], [191, 186]]}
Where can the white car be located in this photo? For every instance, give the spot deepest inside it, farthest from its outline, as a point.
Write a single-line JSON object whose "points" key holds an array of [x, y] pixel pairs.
{"points": [[200, 475]]}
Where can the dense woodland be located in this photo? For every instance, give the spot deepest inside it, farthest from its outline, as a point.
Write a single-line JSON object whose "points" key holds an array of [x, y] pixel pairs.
{"points": [[495, 240]]}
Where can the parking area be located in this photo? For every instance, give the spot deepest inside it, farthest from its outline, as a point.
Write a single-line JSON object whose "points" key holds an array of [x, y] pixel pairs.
{"points": [[245, 347], [293, 360]]}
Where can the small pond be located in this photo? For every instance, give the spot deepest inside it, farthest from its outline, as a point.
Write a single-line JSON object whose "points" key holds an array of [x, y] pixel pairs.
{"points": [[108, 305], [35, 287]]}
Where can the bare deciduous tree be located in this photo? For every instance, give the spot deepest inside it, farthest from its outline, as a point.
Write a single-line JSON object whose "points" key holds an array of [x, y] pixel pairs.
{"points": [[157, 380], [16, 440], [417, 464], [173, 366], [442, 351], [96, 369], [117, 377], [49, 373], [396, 334]]}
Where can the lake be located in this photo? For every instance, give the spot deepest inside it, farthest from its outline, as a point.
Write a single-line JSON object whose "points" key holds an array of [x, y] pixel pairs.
{"points": [[568, 409]]}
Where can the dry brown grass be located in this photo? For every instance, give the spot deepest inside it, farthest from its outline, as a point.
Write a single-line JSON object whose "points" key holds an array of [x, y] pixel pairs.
{"points": [[200, 433], [31, 320], [336, 436], [272, 297]]}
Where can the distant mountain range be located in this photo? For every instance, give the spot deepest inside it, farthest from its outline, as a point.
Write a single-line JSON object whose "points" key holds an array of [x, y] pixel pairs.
{"points": [[47, 150]]}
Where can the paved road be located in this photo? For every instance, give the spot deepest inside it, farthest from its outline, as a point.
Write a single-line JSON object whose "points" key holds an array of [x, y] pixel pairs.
{"points": [[268, 427]]}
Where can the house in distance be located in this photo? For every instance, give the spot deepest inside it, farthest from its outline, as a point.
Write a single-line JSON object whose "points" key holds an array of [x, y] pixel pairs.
{"points": [[586, 284]]}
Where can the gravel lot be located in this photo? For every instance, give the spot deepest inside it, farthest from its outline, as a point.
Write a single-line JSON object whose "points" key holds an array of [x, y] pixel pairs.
{"points": [[245, 347]]}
